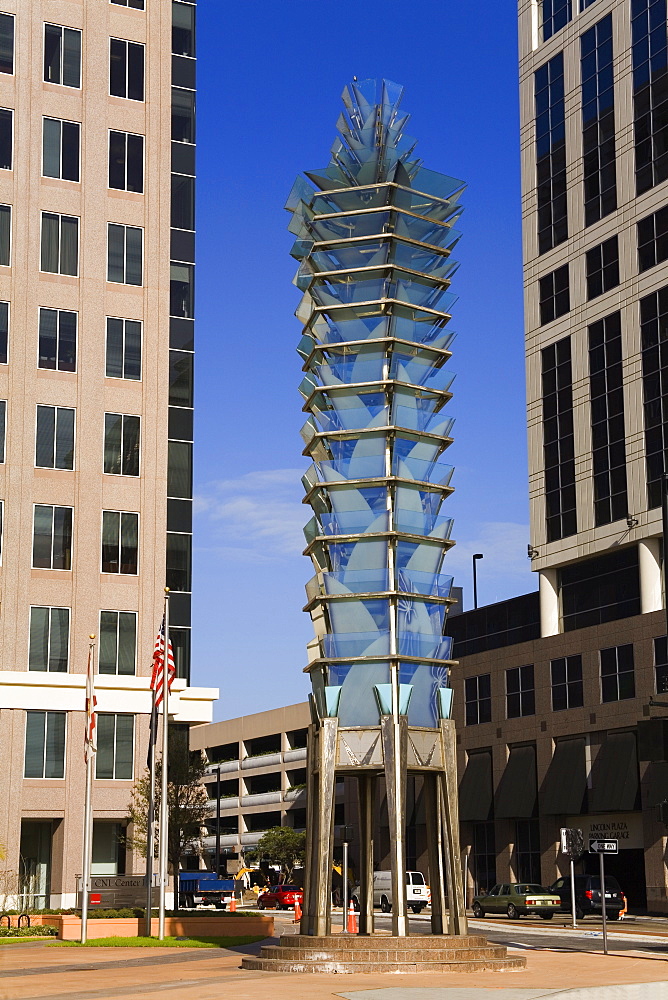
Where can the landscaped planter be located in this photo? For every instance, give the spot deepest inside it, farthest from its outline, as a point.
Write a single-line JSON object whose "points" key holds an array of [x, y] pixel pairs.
{"points": [[234, 925]]}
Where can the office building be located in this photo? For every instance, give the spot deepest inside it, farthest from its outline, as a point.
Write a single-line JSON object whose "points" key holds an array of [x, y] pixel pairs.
{"points": [[96, 339]]}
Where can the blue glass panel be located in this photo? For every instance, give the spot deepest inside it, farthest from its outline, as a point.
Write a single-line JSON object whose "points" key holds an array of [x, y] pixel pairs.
{"points": [[426, 646], [356, 581], [347, 644], [426, 472], [357, 705], [427, 679]]}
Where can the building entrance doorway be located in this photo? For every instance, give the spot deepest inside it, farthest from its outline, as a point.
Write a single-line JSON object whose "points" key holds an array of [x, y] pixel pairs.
{"points": [[628, 867], [35, 864]]}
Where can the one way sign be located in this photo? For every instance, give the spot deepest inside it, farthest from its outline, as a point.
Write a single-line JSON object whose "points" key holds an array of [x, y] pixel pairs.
{"points": [[603, 846]]}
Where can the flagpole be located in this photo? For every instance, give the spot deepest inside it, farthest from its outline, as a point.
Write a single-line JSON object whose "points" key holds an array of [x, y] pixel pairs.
{"points": [[164, 810], [150, 824], [88, 818]]}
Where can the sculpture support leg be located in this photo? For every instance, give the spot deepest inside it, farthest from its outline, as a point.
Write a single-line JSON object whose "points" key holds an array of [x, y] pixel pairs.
{"points": [[395, 739], [325, 826], [434, 828], [366, 786], [307, 923], [458, 923]]}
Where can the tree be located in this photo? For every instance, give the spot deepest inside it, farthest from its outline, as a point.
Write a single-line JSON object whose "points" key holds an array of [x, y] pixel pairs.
{"points": [[186, 798], [282, 846]]}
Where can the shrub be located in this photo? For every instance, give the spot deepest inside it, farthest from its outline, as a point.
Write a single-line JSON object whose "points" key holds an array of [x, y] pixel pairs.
{"points": [[19, 932]]}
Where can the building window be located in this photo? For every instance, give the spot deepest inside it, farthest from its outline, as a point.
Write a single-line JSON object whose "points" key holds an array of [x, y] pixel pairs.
{"points": [[551, 154], [4, 332], [602, 268], [60, 149], [179, 562], [554, 15], [124, 254], [649, 51], [603, 589], [52, 537], [54, 439], [617, 676], [123, 353], [180, 469], [115, 746], [653, 239], [567, 691], [607, 419], [2, 518], [6, 138], [57, 340], [118, 642], [120, 540], [598, 121], [527, 851], [6, 43], [135, 4], [180, 638], [45, 745], [183, 29], [5, 234], [62, 55], [558, 440], [520, 694], [3, 429], [484, 856], [49, 639], [121, 444], [554, 294], [180, 378], [182, 290], [126, 161], [183, 115], [478, 699], [126, 69], [661, 664], [60, 243], [653, 332], [183, 202]]}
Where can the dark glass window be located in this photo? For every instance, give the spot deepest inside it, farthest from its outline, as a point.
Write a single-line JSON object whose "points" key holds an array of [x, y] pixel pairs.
{"points": [[180, 638], [180, 469], [649, 50], [115, 746], [5, 234], [602, 268], [554, 295], [551, 154], [520, 692], [478, 699], [6, 138], [527, 851], [566, 676], [52, 537], [125, 248], [120, 542], [653, 239], [183, 29], [558, 440], [179, 560], [126, 161], [121, 444], [60, 243], [654, 340], [45, 745], [183, 202], [49, 639], [118, 642], [57, 340], [4, 332], [554, 15], [180, 378], [586, 3], [484, 856], [598, 121], [603, 589], [6, 43], [135, 4], [661, 664], [182, 290], [607, 419], [54, 440], [183, 115], [3, 435], [123, 349], [126, 69], [62, 55], [60, 149], [617, 676]]}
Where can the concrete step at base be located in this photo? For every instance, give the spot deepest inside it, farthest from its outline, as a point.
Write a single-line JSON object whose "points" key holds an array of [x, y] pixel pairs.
{"points": [[380, 955], [335, 966], [383, 942]]}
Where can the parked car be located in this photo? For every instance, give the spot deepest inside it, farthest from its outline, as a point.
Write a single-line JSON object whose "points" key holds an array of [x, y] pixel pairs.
{"points": [[588, 895], [417, 892], [516, 900], [282, 897]]}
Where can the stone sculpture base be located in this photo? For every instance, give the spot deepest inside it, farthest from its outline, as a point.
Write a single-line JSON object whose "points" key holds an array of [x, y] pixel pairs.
{"points": [[381, 953]]}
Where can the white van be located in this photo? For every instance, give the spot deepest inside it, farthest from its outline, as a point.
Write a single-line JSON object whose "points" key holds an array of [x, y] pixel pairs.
{"points": [[417, 891]]}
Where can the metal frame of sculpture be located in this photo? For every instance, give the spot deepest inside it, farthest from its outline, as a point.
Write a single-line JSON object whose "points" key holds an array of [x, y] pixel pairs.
{"points": [[374, 235]]}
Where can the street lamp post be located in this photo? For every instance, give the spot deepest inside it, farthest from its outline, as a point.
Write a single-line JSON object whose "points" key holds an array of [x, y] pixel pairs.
{"points": [[478, 555]]}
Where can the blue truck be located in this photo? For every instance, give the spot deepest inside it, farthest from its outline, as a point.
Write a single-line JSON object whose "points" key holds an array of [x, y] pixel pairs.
{"points": [[196, 888]]}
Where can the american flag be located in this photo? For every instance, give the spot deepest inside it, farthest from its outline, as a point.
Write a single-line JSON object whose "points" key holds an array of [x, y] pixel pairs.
{"points": [[158, 676], [90, 736]]}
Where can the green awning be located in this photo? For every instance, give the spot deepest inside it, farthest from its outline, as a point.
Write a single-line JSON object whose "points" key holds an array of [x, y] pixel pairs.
{"points": [[516, 794], [614, 775], [475, 788], [564, 784]]}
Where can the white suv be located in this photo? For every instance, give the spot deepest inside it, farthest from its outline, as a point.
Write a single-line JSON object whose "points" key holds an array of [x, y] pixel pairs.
{"points": [[417, 891]]}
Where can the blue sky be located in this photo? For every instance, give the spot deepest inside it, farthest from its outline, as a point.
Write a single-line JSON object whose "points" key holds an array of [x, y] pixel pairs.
{"points": [[270, 80]]}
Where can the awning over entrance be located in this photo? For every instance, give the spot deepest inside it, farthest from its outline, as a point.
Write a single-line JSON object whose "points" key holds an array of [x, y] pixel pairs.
{"points": [[475, 788], [615, 775], [564, 784], [516, 794]]}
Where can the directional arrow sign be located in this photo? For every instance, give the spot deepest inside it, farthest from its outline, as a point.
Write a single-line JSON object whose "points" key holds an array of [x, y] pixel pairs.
{"points": [[603, 846]]}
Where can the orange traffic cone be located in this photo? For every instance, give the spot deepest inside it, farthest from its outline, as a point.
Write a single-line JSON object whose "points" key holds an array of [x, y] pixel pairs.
{"points": [[233, 905], [298, 912], [352, 919]]}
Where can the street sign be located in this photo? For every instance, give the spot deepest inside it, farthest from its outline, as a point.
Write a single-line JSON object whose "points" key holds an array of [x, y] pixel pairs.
{"points": [[603, 846], [118, 890], [572, 842]]}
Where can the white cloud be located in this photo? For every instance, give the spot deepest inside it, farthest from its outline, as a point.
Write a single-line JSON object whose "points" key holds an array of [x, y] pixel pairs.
{"points": [[257, 516]]}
